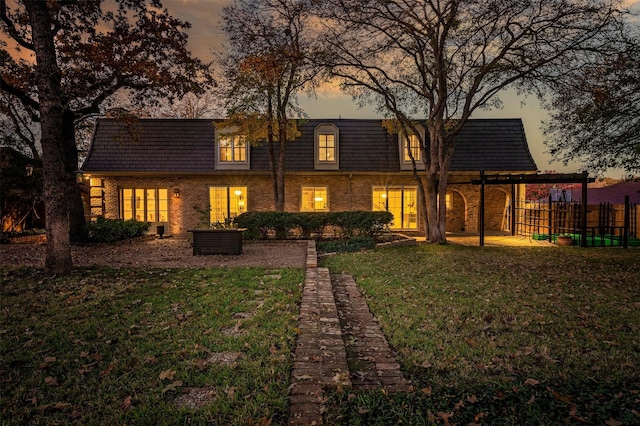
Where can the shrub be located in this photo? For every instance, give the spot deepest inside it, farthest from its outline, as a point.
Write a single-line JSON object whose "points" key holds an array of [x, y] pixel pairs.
{"points": [[111, 230], [346, 246], [281, 225]]}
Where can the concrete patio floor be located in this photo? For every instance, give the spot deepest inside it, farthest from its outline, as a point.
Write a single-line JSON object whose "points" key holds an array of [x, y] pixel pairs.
{"points": [[494, 238]]}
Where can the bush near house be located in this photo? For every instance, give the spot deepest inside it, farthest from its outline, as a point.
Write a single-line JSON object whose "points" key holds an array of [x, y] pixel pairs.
{"points": [[112, 230], [283, 225]]}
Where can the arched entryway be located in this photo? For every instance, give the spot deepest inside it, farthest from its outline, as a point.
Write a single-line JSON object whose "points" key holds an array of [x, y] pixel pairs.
{"points": [[497, 204], [457, 214]]}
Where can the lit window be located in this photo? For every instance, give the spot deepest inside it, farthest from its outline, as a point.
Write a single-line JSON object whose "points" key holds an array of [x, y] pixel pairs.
{"points": [[399, 201], [411, 148], [144, 204], [227, 202], [326, 147], [314, 199], [232, 149]]}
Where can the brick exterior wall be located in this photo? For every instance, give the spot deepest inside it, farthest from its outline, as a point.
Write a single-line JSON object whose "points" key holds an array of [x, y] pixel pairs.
{"points": [[345, 192]]}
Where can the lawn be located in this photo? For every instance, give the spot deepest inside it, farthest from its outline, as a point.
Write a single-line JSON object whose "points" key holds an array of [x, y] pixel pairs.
{"points": [[502, 335], [147, 346]]}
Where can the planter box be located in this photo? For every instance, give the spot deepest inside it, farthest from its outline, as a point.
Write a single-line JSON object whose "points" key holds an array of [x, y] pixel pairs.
{"points": [[217, 241], [565, 240]]}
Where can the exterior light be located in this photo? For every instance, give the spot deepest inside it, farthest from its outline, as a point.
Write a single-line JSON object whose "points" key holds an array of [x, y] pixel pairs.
{"points": [[29, 169], [176, 193]]}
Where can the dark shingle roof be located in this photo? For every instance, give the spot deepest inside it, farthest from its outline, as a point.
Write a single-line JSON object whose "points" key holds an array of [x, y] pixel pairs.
{"points": [[151, 145], [186, 146]]}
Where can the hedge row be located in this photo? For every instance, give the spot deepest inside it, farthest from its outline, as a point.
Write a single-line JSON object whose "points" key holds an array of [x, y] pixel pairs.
{"points": [[112, 230], [283, 225]]}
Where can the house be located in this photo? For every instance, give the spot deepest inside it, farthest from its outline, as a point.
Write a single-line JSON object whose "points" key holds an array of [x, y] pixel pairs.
{"points": [[171, 171]]}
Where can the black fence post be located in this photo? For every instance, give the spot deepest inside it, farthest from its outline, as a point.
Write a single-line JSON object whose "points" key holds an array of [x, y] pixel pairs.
{"points": [[627, 222]]}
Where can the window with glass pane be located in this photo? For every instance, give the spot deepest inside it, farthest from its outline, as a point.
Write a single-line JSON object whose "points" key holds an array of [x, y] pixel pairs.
{"points": [[326, 147], [144, 204], [127, 204], [414, 147], [139, 204], [399, 201], [239, 150], [227, 202], [314, 199], [163, 205], [232, 149], [226, 149]]}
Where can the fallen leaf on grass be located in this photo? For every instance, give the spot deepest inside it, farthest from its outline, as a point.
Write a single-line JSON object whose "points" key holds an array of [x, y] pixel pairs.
{"points": [[531, 382], [61, 406], [172, 386], [426, 391], [126, 404], [167, 374], [51, 381], [231, 392], [445, 417], [47, 361], [472, 399], [107, 371], [612, 422]]}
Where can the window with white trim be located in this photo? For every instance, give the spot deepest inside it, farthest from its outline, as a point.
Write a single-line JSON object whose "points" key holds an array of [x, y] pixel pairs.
{"points": [[326, 147], [144, 204], [409, 146], [314, 199], [232, 152]]}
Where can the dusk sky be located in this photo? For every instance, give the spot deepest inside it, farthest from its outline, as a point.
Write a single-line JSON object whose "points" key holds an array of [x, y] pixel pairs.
{"points": [[206, 35]]}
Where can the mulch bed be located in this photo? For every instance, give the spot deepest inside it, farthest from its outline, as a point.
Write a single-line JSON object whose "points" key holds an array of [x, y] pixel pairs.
{"points": [[161, 253]]}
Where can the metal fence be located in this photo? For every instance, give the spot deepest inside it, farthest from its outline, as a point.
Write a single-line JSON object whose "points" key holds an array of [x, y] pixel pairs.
{"points": [[606, 224]]}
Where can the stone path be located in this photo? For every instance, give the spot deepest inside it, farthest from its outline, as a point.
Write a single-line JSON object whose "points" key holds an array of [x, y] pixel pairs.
{"points": [[339, 345]]}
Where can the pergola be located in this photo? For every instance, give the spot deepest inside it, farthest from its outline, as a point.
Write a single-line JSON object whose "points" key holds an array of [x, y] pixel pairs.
{"points": [[514, 179]]}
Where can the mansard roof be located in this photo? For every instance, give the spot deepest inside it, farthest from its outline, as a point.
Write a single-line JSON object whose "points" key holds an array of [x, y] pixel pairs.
{"points": [[187, 146]]}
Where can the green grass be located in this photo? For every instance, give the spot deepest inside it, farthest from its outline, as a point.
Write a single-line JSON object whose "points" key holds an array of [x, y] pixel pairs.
{"points": [[502, 335], [121, 346]]}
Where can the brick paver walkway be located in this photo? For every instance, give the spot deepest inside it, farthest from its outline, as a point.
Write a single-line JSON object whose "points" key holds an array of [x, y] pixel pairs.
{"points": [[371, 361], [321, 359]]}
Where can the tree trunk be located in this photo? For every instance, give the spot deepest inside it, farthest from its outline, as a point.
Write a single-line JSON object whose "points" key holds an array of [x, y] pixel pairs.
{"points": [[272, 156], [282, 127], [77, 230], [436, 183], [58, 250]]}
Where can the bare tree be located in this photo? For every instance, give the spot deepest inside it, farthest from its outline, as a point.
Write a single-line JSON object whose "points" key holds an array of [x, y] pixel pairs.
{"points": [[103, 49], [267, 62], [436, 62], [18, 129], [135, 48]]}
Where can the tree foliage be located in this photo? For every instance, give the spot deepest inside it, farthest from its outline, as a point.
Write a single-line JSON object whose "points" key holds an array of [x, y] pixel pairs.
{"points": [[443, 60], [268, 61], [103, 51], [596, 112]]}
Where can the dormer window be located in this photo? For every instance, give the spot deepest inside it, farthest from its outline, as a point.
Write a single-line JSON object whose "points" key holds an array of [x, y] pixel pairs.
{"points": [[410, 147], [326, 147], [233, 152]]}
